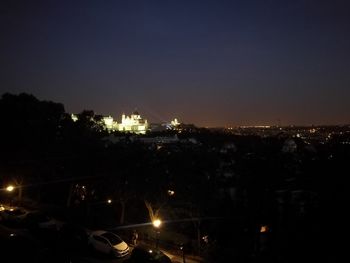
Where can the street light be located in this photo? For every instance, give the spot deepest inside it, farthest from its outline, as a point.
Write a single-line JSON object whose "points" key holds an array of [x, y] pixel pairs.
{"points": [[171, 192], [156, 223], [10, 188]]}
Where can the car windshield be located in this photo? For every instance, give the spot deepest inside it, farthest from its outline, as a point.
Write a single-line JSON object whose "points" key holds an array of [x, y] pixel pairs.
{"points": [[113, 239]]}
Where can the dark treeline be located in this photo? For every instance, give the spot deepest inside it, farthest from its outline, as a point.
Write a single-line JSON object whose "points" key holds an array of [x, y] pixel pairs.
{"points": [[298, 190]]}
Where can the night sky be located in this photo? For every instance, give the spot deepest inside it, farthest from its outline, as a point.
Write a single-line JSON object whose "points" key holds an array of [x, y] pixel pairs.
{"points": [[211, 63]]}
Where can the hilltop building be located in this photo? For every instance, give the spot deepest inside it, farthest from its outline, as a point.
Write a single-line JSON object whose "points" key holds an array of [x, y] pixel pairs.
{"points": [[133, 123], [164, 126]]}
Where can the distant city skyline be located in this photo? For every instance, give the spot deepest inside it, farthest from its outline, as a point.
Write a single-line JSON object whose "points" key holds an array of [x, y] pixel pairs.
{"points": [[210, 63]]}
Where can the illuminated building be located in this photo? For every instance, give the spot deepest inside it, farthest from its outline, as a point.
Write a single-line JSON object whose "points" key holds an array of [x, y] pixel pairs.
{"points": [[110, 124], [74, 117], [134, 124], [172, 125], [175, 123]]}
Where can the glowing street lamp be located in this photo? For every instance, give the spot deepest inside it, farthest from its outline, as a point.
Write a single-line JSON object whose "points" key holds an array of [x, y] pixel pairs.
{"points": [[171, 192], [264, 229], [156, 223], [17, 187], [109, 201], [10, 188]]}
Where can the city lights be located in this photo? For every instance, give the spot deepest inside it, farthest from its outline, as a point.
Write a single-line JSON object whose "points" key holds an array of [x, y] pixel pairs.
{"points": [[174, 131]]}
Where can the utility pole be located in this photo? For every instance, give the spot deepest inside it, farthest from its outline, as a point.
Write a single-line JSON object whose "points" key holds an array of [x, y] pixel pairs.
{"points": [[183, 253]]}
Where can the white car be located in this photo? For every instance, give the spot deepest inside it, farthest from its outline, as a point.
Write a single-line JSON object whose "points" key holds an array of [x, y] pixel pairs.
{"points": [[108, 243]]}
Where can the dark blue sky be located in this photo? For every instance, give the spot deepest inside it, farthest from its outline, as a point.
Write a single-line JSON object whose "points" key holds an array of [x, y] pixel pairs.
{"points": [[212, 63]]}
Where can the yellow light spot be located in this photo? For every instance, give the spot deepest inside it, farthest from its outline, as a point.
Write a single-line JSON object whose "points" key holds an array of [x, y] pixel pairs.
{"points": [[156, 223], [10, 188], [264, 229]]}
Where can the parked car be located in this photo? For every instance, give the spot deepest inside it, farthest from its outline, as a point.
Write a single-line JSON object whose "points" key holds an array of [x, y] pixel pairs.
{"points": [[145, 254], [39, 220], [108, 243], [8, 213], [13, 216]]}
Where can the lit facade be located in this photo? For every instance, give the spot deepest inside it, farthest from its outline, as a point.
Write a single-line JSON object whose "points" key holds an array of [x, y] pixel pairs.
{"points": [[175, 123], [110, 124], [74, 117], [133, 123]]}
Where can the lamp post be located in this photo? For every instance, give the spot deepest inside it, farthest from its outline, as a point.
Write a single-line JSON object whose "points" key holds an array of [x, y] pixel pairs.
{"points": [[17, 187], [183, 253], [10, 188], [157, 223]]}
